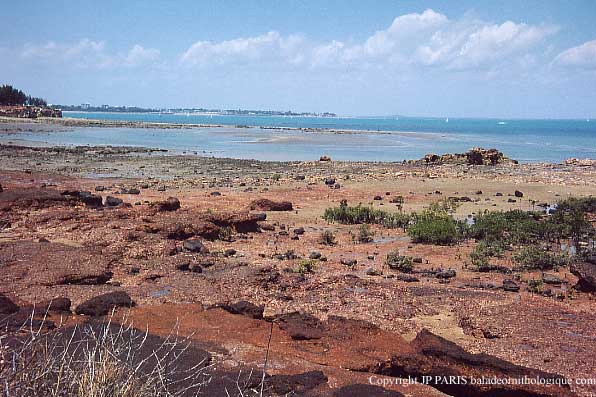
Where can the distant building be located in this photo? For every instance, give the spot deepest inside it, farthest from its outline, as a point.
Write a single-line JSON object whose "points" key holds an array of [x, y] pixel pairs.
{"points": [[85, 106]]}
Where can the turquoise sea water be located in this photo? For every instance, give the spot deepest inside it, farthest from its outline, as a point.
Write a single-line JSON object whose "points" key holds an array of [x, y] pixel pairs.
{"points": [[380, 139]]}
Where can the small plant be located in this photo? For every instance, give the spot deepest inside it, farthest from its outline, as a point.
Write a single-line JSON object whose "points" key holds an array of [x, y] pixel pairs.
{"points": [[225, 233], [365, 235], [399, 262], [276, 177], [535, 286], [306, 266], [327, 238], [435, 230]]}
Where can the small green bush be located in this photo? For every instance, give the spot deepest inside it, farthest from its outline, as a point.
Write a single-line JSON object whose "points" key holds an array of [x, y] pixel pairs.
{"points": [[535, 257], [327, 238], [535, 286], [399, 262], [306, 266], [365, 215], [365, 235], [435, 230]]}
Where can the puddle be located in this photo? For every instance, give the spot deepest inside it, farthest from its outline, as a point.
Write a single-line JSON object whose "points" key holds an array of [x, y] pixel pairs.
{"points": [[161, 292], [389, 239]]}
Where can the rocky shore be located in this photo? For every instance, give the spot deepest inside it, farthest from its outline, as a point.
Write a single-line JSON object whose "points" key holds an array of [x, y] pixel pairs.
{"points": [[29, 112], [236, 256]]}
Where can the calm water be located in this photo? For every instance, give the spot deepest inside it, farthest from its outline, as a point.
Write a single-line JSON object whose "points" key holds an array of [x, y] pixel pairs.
{"points": [[403, 138]]}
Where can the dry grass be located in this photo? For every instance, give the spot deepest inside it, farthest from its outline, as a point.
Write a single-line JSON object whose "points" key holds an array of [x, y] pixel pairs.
{"points": [[99, 360]]}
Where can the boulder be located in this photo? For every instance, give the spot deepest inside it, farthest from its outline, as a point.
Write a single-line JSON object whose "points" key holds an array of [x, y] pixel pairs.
{"points": [[104, 304], [245, 308], [518, 194], [55, 305], [445, 273], [510, 285], [169, 204], [329, 181], [551, 279], [7, 306], [586, 273], [111, 201], [264, 204], [436, 359], [194, 245]]}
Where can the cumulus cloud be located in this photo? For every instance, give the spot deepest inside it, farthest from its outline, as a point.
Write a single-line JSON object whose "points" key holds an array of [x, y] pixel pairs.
{"points": [[270, 46], [431, 39], [89, 54], [582, 56]]}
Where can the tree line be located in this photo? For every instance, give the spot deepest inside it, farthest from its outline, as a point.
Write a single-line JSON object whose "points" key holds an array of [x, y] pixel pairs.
{"points": [[12, 96]]}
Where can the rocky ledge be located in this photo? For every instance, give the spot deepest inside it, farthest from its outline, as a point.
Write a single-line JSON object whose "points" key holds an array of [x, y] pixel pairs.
{"points": [[29, 112]]}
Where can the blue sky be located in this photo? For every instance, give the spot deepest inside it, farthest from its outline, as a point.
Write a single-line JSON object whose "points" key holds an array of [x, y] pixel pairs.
{"points": [[423, 58]]}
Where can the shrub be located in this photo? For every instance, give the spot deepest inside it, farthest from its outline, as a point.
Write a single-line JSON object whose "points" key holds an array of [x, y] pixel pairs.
{"points": [[358, 214], [535, 257], [327, 238], [509, 227], [435, 230], [399, 262], [306, 266], [365, 235], [535, 286]]}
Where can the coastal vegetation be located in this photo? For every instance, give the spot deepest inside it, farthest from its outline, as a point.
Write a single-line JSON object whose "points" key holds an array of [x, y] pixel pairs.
{"points": [[10, 96]]}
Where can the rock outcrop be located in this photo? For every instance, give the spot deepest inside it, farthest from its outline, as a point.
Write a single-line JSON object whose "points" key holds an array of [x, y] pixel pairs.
{"points": [[475, 156], [29, 112]]}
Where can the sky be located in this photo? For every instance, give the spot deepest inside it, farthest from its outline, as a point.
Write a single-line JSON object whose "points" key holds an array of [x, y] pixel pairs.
{"points": [[504, 59]]}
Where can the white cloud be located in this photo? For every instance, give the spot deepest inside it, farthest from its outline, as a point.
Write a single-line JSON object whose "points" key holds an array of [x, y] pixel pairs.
{"points": [[89, 54], [431, 39], [582, 56], [271, 46], [139, 55]]}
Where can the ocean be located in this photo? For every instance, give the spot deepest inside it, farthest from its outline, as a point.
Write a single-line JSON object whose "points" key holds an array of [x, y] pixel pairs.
{"points": [[377, 139]]}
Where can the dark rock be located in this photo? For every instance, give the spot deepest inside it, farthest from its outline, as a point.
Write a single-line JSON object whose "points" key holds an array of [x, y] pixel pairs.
{"points": [[478, 191], [245, 308], [161, 189], [364, 390], [296, 385], [329, 181], [372, 272], [134, 190], [586, 274], [377, 198], [324, 158], [408, 278], [90, 278], [299, 231], [229, 252], [215, 194], [301, 326], [103, 304], [349, 262], [112, 201], [417, 259], [551, 279], [510, 200], [7, 306], [170, 204], [315, 255], [183, 267], [55, 305], [498, 194], [196, 268], [100, 188], [194, 245], [445, 274], [510, 285], [518, 194], [270, 205], [300, 177]]}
